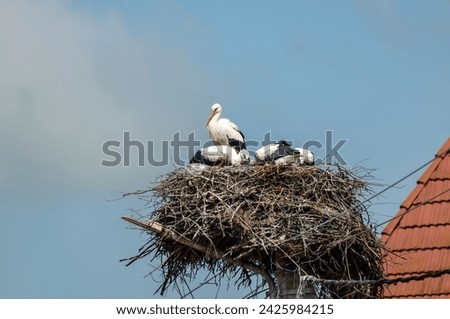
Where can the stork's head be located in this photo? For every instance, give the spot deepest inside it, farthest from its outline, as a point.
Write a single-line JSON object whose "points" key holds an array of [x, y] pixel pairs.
{"points": [[284, 143], [216, 110], [245, 156], [310, 158], [306, 156]]}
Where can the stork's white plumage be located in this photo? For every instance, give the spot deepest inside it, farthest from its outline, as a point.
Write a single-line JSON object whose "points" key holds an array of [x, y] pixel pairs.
{"points": [[223, 131], [220, 155], [272, 152], [302, 157]]}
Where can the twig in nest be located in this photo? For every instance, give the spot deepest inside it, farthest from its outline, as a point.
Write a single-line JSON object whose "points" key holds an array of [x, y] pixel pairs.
{"points": [[264, 217]]}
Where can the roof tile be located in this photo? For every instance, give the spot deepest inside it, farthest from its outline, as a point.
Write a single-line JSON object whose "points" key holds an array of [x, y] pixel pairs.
{"points": [[432, 191], [417, 261], [418, 239], [421, 238], [428, 288], [434, 214]]}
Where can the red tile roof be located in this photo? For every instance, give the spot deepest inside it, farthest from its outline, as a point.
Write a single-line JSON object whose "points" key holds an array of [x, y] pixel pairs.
{"points": [[418, 240]]}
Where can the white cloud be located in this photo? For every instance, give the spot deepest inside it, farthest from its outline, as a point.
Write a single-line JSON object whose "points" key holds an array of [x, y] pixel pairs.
{"points": [[70, 81]]}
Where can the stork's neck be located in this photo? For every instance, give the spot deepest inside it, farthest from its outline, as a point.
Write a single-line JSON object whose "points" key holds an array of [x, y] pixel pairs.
{"points": [[215, 118], [217, 115]]}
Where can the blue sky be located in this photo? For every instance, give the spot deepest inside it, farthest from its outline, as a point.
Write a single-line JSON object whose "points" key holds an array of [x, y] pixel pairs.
{"points": [[75, 74]]}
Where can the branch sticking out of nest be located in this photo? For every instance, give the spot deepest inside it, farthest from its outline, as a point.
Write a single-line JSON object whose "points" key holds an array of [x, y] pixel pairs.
{"points": [[268, 218]]}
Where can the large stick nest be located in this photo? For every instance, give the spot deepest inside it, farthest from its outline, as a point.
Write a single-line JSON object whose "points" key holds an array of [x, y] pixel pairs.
{"points": [[308, 219]]}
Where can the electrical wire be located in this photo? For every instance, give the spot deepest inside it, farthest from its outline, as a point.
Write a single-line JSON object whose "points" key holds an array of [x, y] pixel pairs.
{"points": [[379, 282], [413, 208], [442, 155]]}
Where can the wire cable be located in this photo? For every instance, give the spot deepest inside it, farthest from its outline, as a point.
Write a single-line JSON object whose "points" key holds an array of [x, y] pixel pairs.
{"points": [[442, 155], [413, 208], [379, 282]]}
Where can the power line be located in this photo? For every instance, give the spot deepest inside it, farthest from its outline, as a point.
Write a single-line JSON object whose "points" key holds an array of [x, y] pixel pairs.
{"points": [[379, 282], [408, 175], [413, 208], [441, 155]]}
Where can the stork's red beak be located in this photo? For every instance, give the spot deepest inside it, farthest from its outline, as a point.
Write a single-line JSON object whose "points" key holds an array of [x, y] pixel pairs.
{"points": [[210, 117]]}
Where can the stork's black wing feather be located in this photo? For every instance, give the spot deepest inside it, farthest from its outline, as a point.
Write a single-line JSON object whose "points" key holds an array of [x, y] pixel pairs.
{"points": [[236, 144]]}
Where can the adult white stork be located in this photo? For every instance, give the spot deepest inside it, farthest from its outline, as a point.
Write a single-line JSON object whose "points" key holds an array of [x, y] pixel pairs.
{"points": [[302, 156], [272, 152], [222, 155], [223, 131]]}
